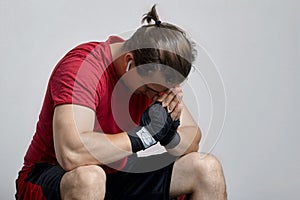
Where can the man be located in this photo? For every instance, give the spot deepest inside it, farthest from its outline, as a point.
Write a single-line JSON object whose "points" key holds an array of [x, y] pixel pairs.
{"points": [[105, 102]]}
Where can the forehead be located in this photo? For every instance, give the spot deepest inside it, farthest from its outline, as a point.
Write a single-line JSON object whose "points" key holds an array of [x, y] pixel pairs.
{"points": [[157, 88], [158, 80]]}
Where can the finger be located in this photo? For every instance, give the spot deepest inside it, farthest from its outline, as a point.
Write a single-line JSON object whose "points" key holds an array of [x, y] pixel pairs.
{"points": [[177, 111], [177, 99], [163, 96], [172, 105], [178, 91], [174, 115], [169, 99], [179, 96]]}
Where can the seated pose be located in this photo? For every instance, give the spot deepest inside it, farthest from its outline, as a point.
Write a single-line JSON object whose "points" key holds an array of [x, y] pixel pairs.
{"points": [[107, 101]]}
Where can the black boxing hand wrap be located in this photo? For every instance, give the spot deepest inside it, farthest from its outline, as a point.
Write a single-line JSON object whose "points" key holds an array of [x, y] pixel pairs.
{"points": [[156, 125], [165, 130], [140, 139], [172, 139]]}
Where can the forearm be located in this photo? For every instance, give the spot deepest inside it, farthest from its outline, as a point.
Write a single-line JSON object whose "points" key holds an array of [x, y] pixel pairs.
{"points": [[97, 148], [107, 148], [190, 137]]}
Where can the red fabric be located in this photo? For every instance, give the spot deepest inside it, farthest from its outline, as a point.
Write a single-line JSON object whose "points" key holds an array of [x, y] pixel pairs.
{"points": [[84, 76], [27, 190]]}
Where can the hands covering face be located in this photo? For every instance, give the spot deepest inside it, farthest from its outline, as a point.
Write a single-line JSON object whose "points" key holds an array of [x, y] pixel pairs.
{"points": [[172, 99]]}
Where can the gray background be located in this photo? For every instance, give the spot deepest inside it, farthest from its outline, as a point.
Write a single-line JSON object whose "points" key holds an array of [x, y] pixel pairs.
{"points": [[255, 45]]}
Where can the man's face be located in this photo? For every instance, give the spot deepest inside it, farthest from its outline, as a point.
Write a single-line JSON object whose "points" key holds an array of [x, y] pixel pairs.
{"points": [[152, 90], [153, 85]]}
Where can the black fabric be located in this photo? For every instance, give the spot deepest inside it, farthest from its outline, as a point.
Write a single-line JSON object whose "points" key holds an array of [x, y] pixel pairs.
{"points": [[172, 136], [158, 122], [174, 141], [48, 176], [136, 142], [146, 178], [160, 125], [138, 181]]}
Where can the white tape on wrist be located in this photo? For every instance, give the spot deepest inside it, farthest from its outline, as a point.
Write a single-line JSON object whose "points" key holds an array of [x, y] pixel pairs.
{"points": [[146, 137]]}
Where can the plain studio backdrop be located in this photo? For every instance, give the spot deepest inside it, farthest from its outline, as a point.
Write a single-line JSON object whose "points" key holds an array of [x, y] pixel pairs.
{"points": [[255, 45]]}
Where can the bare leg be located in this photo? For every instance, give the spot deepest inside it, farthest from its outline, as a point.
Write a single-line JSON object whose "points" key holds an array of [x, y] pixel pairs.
{"points": [[199, 175], [85, 182]]}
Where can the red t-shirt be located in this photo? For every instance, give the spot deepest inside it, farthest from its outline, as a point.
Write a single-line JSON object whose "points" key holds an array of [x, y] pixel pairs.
{"points": [[85, 76]]}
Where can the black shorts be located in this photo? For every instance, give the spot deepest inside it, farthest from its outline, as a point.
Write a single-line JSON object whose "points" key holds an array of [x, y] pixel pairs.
{"points": [[137, 181]]}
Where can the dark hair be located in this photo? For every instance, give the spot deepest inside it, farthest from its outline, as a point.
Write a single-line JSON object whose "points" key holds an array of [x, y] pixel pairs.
{"points": [[164, 45]]}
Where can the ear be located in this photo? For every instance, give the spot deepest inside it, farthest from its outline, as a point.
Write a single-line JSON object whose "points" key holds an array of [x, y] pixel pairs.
{"points": [[127, 57]]}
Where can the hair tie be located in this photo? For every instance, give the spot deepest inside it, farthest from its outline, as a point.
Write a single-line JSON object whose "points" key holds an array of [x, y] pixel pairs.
{"points": [[157, 22]]}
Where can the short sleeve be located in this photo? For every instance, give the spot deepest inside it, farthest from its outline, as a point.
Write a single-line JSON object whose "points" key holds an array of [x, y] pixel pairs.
{"points": [[75, 81]]}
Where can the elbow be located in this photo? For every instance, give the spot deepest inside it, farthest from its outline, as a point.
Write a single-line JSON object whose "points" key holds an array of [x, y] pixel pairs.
{"points": [[195, 142], [197, 139], [67, 160]]}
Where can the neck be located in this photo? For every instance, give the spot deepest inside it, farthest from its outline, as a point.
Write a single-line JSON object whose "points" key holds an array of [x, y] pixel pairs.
{"points": [[116, 50], [117, 54]]}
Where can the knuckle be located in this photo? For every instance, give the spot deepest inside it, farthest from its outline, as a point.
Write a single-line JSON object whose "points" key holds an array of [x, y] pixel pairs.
{"points": [[173, 115], [179, 95]]}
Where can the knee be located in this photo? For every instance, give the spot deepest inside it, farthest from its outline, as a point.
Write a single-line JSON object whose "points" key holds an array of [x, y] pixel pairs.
{"points": [[89, 176], [207, 167], [209, 177], [83, 181]]}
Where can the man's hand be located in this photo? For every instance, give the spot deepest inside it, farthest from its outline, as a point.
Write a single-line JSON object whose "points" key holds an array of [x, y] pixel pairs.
{"points": [[162, 128], [172, 100], [156, 125]]}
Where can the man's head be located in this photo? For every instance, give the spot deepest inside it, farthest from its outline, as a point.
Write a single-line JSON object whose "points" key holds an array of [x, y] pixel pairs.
{"points": [[160, 47]]}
